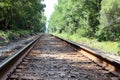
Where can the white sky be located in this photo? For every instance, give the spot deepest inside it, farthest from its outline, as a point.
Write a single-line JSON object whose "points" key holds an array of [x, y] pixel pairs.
{"points": [[49, 7]]}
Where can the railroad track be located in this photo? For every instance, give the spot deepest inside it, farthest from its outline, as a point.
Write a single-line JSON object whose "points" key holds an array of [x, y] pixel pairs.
{"points": [[51, 58]]}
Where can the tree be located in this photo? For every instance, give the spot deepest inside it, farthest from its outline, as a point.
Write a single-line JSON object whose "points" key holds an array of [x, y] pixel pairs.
{"points": [[74, 16], [110, 20], [21, 14]]}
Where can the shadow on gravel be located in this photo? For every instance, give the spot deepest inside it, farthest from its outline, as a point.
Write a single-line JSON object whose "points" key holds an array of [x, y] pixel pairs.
{"points": [[55, 66]]}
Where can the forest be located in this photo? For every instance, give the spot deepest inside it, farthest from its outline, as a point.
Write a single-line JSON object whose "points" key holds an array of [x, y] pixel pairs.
{"points": [[94, 19], [21, 16]]}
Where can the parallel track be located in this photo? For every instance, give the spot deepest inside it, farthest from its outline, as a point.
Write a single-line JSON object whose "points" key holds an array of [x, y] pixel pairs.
{"points": [[52, 58]]}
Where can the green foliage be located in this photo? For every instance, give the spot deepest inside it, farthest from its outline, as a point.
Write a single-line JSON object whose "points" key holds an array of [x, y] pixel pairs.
{"points": [[73, 16], [21, 14], [89, 18], [110, 20]]}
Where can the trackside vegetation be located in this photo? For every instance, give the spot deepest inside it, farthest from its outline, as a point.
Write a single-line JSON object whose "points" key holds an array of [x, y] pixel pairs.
{"points": [[97, 21]]}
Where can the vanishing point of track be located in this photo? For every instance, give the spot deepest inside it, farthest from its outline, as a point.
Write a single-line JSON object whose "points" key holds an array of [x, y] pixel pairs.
{"points": [[52, 58]]}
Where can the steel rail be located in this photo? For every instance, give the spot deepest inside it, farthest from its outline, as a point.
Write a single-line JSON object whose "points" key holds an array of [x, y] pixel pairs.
{"points": [[8, 65], [105, 61]]}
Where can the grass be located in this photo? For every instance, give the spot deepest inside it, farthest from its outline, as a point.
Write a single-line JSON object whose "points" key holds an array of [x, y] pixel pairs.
{"points": [[107, 46], [4, 35], [7, 35]]}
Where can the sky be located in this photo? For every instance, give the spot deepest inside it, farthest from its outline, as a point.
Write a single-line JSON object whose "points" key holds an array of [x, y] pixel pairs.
{"points": [[49, 7]]}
